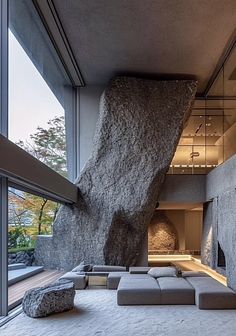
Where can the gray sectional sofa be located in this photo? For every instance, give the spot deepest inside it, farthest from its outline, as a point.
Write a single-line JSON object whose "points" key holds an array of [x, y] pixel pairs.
{"points": [[137, 287], [189, 289], [79, 275]]}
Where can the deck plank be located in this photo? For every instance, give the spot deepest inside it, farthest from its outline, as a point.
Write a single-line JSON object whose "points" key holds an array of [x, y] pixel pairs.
{"points": [[17, 291]]}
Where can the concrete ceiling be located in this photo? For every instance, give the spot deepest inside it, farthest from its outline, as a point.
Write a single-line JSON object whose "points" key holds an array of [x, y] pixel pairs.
{"points": [[109, 37]]}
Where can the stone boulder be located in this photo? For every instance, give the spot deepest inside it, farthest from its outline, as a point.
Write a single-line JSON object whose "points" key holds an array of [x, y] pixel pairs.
{"points": [[136, 136], [54, 298], [162, 234]]}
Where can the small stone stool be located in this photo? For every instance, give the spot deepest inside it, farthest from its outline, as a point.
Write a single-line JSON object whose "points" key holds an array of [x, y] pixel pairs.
{"points": [[54, 298]]}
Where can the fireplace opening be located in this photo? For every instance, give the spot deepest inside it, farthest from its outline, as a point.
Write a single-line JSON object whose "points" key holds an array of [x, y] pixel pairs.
{"points": [[221, 257]]}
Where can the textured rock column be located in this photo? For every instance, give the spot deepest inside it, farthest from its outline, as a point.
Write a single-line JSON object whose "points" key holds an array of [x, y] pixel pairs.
{"points": [[139, 127], [162, 234]]}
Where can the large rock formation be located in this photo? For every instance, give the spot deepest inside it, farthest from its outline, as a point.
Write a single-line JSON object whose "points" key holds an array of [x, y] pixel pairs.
{"points": [[138, 130], [162, 234]]}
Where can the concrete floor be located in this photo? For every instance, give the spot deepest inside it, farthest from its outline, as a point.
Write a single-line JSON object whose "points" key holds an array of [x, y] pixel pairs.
{"points": [[96, 313]]}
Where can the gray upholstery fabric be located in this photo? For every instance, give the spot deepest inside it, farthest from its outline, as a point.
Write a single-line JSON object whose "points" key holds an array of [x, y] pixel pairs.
{"points": [[157, 272], [80, 280], [108, 268], [186, 274], [176, 291], [82, 267], [211, 294], [113, 279], [139, 270], [138, 291]]}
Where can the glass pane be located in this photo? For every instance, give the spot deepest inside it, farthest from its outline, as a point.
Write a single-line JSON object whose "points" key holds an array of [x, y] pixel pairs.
{"points": [[182, 156], [217, 88], [40, 92], [230, 75], [214, 155], [29, 216]]}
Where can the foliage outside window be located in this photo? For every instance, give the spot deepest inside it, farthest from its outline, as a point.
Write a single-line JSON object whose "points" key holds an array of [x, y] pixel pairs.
{"points": [[31, 215]]}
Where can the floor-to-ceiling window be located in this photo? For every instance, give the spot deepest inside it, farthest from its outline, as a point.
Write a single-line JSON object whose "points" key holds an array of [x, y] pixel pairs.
{"points": [[38, 115], [3, 180], [40, 91]]}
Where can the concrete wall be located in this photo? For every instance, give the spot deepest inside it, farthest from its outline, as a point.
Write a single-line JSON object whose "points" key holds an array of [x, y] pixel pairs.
{"points": [[193, 230], [88, 115], [183, 188], [177, 217], [221, 179]]}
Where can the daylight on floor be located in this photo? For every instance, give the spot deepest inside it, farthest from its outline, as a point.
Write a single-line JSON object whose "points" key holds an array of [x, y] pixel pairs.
{"points": [[117, 167]]}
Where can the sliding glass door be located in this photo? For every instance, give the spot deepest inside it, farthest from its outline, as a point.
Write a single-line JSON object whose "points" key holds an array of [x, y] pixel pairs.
{"points": [[38, 114], [3, 247]]}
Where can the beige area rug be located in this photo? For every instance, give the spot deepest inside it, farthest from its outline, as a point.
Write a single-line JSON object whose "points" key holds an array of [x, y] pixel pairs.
{"points": [[96, 313]]}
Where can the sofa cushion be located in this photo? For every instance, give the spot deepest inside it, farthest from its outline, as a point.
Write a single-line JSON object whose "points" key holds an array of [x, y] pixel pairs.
{"points": [[157, 272], [139, 270], [113, 279], [108, 268], [211, 294], [140, 290], [176, 291], [80, 280]]}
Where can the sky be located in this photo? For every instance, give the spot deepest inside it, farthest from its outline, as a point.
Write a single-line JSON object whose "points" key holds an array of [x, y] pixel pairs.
{"points": [[31, 102]]}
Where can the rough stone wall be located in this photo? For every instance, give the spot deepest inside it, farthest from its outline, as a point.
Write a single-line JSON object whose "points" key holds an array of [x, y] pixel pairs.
{"points": [[226, 234], [207, 235], [219, 224], [162, 234], [138, 129]]}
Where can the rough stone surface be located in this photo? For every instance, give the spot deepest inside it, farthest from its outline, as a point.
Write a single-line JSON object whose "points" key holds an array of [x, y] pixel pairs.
{"points": [[226, 234], [50, 299], [25, 257], [162, 234], [207, 235], [137, 132], [219, 220]]}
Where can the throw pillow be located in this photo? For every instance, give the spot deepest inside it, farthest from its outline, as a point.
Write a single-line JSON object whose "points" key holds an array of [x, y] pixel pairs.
{"points": [[158, 272], [82, 267]]}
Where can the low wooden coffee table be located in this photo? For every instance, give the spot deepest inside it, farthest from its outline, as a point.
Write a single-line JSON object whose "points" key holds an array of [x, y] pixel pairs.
{"points": [[97, 278]]}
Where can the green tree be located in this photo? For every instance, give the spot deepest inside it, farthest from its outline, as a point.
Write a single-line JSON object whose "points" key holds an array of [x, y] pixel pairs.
{"points": [[49, 146]]}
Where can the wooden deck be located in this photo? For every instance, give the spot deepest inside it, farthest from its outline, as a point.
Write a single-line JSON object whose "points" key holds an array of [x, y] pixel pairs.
{"points": [[16, 291]]}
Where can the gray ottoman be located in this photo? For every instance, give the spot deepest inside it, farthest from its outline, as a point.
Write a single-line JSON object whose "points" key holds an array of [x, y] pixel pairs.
{"points": [[141, 290], [80, 280], [113, 279], [177, 291], [211, 294]]}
